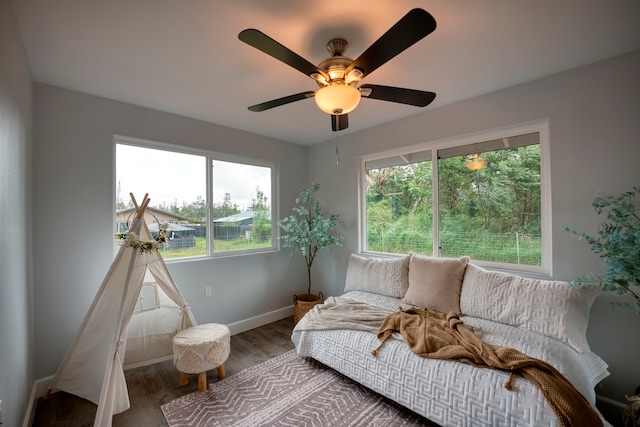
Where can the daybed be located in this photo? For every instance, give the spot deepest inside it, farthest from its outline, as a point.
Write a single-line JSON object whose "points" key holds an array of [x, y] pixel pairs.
{"points": [[543, 319]]}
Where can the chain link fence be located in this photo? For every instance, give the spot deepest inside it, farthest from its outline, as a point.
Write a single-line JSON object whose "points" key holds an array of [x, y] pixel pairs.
{"points": [[512, 248]]}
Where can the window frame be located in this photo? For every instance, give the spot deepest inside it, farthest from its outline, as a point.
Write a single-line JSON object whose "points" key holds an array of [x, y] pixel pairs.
{"points": [[541, 127], [210, 156], [142, 297]]}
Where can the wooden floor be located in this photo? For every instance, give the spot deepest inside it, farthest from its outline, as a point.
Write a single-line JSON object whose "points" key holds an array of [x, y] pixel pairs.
{"points": [[154, 385]]}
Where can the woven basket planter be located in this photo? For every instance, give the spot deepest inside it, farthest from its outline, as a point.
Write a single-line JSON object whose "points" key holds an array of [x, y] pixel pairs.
{"points": [[631, 416], [302, 303]]}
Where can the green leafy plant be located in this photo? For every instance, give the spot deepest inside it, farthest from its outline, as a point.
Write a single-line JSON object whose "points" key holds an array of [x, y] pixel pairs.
{"points": [[618, 244], [308, 230]]}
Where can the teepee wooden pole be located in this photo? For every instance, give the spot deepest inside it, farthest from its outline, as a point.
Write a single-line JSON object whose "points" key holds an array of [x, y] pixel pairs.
{"points": [[133, 199], [140, 208], [143, 207]]}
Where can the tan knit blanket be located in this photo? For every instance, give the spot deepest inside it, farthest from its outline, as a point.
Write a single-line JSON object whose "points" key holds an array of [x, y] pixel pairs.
{"points": [[437, 335]]}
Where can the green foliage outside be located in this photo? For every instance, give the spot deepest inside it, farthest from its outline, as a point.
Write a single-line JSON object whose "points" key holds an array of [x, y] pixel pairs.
{"points": [[260, 236], [224, 209], [261, 224], [196, 211], [200, 247], [489, 214]]}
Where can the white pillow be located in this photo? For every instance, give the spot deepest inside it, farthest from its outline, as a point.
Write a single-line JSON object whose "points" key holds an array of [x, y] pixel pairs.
{"points": [[551, 308], [385, 276]]}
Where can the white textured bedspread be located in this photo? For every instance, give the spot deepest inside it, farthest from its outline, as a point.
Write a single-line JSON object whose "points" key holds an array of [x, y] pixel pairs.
{"points": [[447, 392]]}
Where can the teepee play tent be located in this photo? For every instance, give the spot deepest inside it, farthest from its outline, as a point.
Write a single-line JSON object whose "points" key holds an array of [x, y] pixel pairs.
{"points": [[117, 332]]}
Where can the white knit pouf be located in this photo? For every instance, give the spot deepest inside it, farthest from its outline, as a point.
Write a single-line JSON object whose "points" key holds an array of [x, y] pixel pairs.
{"points": [[199, 349]]}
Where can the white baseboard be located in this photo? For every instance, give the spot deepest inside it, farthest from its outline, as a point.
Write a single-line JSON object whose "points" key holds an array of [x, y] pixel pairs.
{"points": [[41, 386], [39, 389], [611, 401], [261, 320]]}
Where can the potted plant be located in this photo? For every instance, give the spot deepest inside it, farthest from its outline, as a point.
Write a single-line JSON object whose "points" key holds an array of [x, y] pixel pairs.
{"points": [[308, 231], [618, 244]]}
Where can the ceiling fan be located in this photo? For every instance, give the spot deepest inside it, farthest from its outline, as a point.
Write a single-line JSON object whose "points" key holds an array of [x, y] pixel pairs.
{"points": [[338, 76]]}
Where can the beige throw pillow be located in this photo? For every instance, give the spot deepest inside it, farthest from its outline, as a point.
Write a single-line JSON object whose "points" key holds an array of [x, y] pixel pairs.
{"points": [[435, 282]]}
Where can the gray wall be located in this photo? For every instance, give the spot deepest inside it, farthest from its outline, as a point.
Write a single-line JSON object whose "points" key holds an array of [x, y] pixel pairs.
{"points": [[73, 216], [16, 325], [594, 126]]}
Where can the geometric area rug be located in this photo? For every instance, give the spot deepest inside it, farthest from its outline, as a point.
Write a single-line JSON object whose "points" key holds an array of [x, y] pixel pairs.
{"points": [[287, 390]]}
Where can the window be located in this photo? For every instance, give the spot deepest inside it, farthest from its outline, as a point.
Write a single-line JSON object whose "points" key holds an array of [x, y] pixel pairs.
{"points": [[213, 204], [148, 298], [482, 196]]}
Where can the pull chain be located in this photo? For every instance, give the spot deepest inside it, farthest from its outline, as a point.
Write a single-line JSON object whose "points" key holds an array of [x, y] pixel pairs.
{"points": [[337, 142]]}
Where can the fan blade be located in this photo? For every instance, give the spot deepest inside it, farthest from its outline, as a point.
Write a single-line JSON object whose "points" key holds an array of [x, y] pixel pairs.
{"points": [[339, 122], [282, 101], [414, 26], [418, 98], [266, 44]]}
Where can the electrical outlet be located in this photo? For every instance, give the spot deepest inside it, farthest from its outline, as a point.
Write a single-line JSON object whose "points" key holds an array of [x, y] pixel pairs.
{"points": [[207, 292]]}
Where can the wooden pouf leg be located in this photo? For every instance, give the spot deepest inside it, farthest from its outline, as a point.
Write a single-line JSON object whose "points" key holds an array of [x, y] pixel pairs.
{"points": [[202, 381], [221, 371], [184, 379]]}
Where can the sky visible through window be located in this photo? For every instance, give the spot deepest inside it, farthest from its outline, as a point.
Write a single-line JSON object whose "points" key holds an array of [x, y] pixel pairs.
{"points": [[177, 177]]}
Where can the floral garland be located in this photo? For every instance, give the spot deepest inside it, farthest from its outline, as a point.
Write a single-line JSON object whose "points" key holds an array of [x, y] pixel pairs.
{"points": [[132, 240]]}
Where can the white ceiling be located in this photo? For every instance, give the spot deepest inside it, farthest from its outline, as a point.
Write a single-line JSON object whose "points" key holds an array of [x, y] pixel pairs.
{"points": [[184, 56]]}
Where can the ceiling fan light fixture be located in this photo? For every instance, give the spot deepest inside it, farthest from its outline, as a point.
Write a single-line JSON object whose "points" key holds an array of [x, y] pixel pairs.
{"points": [[474, 162], [337, 99], [338, 75]]}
